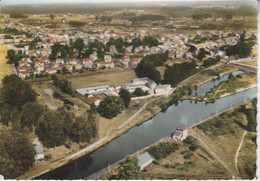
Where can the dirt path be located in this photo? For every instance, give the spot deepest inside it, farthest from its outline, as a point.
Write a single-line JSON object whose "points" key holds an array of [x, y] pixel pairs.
{"points": [[217, 157], [238, 150]]}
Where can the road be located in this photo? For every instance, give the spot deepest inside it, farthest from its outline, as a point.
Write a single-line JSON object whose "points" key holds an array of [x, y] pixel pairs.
{"points": [[238, 150], [217, 157]]}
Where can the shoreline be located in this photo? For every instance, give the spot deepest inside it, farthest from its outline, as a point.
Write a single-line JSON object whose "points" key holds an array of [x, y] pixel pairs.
{"points": [[118, 132], [167, 138]]}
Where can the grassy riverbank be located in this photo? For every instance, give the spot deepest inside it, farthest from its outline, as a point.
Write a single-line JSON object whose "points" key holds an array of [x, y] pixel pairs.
{"points": [[232, 85], [107, 129], [223, 135]]}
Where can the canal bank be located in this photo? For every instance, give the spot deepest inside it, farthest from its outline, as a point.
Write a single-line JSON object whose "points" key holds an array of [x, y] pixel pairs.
{"points": [[145, 134]]}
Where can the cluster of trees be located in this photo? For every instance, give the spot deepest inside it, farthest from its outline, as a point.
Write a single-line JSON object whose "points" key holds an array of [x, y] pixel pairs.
{"points": [[63, 126], [112, 106], [76, 24], [211, 61], [18, 15], [80, 50], [13, 57], [178, 72], [139, 92], [104, 18], [200, 16], [243, 47], [64, 85], [156, 60], [162, 150], [189, 12], [251, 115], [148, 17], [16, 154], [191, 142], [202, 54], [128, 169], [14, 31], [146, 68], [16, 109]]}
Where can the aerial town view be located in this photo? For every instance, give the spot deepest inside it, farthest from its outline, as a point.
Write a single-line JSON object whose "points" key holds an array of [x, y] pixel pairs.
{"points": [[117, 89]]}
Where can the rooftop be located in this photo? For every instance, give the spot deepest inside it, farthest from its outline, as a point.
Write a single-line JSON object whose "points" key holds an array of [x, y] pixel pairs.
{"points": [[144, 158]]}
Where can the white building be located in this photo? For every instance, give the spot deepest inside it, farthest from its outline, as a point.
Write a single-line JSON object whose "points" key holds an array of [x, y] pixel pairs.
{"points": [[180, 134], [144, 160], [39, 153]]}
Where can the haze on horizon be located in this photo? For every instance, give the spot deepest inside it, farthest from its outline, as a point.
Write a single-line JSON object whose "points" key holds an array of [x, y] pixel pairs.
{"points": [[13, 2]]}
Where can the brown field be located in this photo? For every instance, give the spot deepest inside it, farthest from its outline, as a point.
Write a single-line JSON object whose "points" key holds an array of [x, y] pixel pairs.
{"points": [[225, 145], [205, 167], [5, 69]]}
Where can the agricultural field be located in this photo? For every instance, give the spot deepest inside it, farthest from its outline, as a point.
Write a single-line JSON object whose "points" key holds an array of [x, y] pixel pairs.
{"points": [[5, 69]]}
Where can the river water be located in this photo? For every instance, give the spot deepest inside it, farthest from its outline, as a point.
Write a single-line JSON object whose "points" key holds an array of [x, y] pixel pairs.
{"points": [[204, 88], [162, 125]]}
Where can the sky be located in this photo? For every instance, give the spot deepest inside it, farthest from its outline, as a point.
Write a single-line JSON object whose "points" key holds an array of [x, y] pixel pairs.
{"points": [[89, 1]]}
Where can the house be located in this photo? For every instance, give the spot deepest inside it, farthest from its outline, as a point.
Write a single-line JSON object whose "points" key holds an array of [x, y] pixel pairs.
{"points": [[145, 81], [51, 70], [180, 134], [106, 64], [23, 63], [144, 160], [162, 89], [87, 62], [23, 74], [73, 61], [94, 100], [107, 58], [135, 61], [39, 156], [131, 88]]}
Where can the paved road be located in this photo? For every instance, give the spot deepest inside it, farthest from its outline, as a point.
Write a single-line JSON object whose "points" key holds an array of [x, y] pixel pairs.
{"points": [[238, 150], [216, 156]]}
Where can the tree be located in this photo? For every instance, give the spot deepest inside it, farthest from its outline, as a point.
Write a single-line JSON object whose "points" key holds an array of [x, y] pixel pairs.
{"points": [[251, 119], [52, 16], [111, 106], [80, 130], [16, 92], [147, 70], [13, 58], [53, 123], [139, 92], [150, 41], [20, 153], [128, 169], [31, 112], [126, 96]]}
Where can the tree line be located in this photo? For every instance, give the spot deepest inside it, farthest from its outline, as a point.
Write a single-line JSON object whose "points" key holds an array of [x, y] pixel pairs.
{"points": [[21, 115]]}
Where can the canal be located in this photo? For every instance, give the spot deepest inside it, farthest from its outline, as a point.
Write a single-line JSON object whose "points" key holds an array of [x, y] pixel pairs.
{"points": [[162, 125]]}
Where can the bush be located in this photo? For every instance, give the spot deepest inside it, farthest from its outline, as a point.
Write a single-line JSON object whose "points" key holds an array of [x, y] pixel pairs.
{"points": [[111, 107], [162, 150]]}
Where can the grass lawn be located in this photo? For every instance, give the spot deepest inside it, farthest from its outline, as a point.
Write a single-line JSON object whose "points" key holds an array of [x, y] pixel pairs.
{"points": [[5, 69], [223, 134], [230, 86]]}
